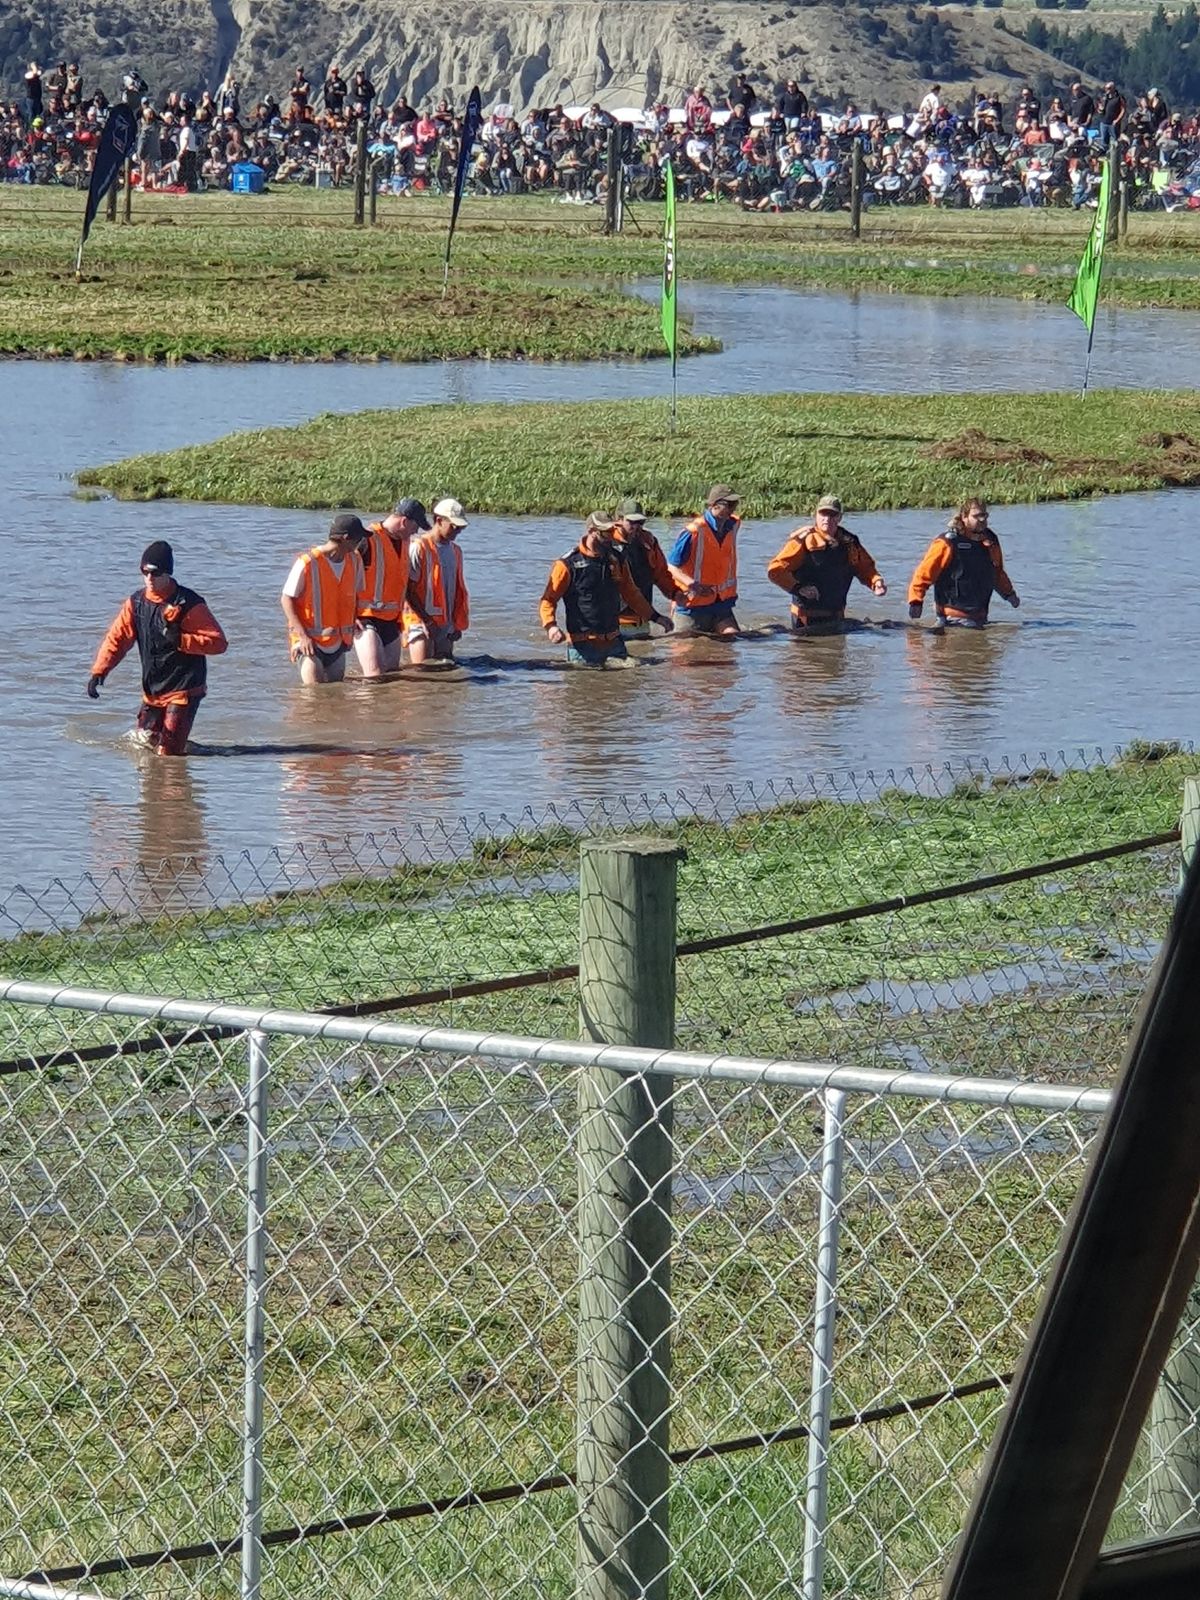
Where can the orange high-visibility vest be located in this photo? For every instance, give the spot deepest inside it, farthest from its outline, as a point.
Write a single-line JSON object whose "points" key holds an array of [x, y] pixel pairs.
{"points": [[426, 571], [326, 604], [713, 561], [387, 576]]}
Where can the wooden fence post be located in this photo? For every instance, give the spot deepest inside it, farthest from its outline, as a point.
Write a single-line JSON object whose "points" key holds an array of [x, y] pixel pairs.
{"points": [[627, 892], [856, 178], [360, 172], [612, 185], [1174, 1484], [1114, 197], [127, 169]]}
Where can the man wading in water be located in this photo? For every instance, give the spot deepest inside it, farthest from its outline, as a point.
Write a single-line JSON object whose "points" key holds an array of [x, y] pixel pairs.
{"points": [[174, 631]]}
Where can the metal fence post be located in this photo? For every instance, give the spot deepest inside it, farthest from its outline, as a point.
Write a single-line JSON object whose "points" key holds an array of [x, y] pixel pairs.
{"points": [[258, 1073], [627, 892], [1174, 1479], [816, 1499]]}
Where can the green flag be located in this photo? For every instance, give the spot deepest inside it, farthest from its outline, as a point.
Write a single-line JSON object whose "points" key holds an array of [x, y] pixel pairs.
{"points": [[670, 322], [1086, 292]]}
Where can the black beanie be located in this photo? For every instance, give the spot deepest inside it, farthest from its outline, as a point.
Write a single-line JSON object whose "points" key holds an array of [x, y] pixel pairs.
{"points": [[160, 556]]}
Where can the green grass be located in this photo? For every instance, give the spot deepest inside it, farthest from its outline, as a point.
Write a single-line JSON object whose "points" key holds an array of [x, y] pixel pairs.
{"points": [[782, 451], [288, 277], [423, 1281]]}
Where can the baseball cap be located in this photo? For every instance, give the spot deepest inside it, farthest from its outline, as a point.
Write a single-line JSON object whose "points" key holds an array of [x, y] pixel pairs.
{"points": [[158, 557], [631, 511], [829, 502], [452, 510], [414, 511], [721, 491], [597, 522], [347, 526]]}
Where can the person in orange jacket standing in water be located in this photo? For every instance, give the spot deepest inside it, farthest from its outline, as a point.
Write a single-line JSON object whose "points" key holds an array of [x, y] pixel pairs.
{"points": [[964, 567], [174, 632], [438, 609], [320, 599], [818, 564]]}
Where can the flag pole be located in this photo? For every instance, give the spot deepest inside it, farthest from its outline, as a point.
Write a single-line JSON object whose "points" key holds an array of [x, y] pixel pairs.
{"points": [[1087, 365], [670, 303]]}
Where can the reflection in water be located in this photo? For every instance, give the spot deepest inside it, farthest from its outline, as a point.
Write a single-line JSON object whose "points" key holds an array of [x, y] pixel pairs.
{"points": [[955, 674], [162, 849]]}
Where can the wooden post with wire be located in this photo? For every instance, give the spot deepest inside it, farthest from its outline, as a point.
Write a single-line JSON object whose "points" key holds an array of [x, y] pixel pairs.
{"points": [[360, 172], [856, 187], [627, 894], [1114, 186]]}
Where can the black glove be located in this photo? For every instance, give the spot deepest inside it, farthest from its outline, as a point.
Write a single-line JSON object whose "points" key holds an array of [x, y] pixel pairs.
{"points": [[915, 607], [93, 685]]}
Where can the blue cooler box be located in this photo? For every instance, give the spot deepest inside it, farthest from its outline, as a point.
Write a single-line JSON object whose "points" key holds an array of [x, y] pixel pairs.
{"points": [[246, 177]]}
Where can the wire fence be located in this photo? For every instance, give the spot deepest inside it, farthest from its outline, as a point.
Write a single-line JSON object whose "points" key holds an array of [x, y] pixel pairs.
{"points": [[419, 1346], [825, 918], [945, 944]]}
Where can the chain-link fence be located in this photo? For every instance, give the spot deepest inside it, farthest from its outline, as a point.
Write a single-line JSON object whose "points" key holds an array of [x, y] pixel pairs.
{"points": [[859, 1272], [401, 1350], [816, 919]]}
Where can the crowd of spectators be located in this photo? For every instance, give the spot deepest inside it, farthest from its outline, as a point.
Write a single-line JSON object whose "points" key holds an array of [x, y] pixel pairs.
{"points": [[766, 149]]}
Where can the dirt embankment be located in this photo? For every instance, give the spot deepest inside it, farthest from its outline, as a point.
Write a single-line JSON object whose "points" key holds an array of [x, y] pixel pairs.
{"points": [[624, 54]]}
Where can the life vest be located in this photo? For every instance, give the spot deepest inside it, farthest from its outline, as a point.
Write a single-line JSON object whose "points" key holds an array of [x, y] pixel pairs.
{"points": [[969, 582], [326, 606], [829, 572], [426, 568], [634, 554], [165, 668], [592, 604], [713, 561], [387, 576]]}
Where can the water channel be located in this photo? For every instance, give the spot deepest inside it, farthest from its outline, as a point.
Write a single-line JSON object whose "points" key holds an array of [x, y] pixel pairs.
{"points": [[1101, 650]]}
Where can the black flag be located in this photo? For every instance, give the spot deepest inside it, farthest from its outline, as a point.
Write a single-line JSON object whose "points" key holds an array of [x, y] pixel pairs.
{"points": [[116, 143], [472, 121]]}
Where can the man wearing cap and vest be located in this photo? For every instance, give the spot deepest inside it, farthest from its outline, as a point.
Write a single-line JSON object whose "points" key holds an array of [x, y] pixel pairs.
{"points": [[818, 564], [964, 567], [595, 587], [438, 608], [646, 565], [319, 601], [174, 632], [703, 560], [380, 613]]}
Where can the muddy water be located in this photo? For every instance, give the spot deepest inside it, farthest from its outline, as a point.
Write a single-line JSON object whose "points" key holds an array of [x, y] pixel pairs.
{"points": [[1101, 650]]}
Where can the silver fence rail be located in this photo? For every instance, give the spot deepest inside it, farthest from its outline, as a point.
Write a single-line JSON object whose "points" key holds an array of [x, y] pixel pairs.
{"points": [[293, 1304]]}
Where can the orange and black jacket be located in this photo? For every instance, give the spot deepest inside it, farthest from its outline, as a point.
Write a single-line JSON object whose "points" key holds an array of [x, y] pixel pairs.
{"points": [[647, 566], [172, 673], [806, 561], [596, 590], [963, 574]]}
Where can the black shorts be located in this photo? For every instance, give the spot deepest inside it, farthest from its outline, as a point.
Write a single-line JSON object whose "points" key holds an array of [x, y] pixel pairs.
{"points": [[386, 631]]}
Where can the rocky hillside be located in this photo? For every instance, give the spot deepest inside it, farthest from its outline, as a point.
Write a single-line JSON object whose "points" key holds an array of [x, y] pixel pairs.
{"points": [[625, 53]]}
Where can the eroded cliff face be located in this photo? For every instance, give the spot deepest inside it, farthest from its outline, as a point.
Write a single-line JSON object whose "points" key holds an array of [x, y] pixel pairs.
{"points": [[624, 54]]}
